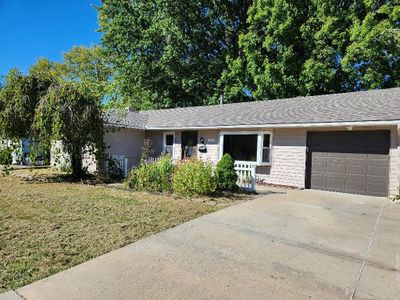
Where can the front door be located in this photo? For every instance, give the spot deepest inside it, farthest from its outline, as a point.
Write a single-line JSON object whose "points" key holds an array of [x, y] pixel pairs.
{"points": [[189, 144]]}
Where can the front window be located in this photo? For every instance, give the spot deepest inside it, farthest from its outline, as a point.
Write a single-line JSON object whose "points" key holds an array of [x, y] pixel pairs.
{"points": [[241, 147], [247, 146]]}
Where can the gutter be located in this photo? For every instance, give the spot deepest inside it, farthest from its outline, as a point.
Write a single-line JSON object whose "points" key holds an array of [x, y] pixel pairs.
{"points": [[289, 125], [267, 126]]}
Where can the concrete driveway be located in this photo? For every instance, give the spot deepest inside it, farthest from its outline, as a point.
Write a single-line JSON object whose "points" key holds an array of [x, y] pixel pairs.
{"points": [[291, 245]]}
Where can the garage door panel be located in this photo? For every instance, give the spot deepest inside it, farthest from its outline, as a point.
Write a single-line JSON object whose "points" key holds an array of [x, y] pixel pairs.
{"points": [[335, 166], [376, 179], [377, 157], [355, 169], [319, 166], [350, 171], [356, 156], [334, 184], [353, 175], [350, 177], [319, 183], [376, 170], [333, 155], [375, 189], [354, 186], [361, 142]]}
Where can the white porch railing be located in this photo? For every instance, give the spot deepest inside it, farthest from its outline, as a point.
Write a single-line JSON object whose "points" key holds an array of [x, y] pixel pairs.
{"points": [[151, 160], [246, 172]]}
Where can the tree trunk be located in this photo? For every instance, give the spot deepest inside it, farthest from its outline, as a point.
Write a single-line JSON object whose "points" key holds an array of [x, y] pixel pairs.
{"points": [[76, 164]]}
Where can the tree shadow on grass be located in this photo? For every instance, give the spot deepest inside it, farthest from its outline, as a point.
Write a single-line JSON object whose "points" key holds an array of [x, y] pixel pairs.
{"points": [[87, 178]]}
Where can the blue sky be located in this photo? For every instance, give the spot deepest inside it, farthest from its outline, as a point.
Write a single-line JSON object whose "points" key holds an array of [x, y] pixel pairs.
{"points": [[30, 29]]}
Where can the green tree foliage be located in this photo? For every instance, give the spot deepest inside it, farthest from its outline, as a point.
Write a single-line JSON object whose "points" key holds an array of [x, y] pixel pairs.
{"points": [[71, 114], [6, 156], [295, 48], [89, 66], [19, 96], [167, 53], [373, 58], [170, 53], [225, 174]]}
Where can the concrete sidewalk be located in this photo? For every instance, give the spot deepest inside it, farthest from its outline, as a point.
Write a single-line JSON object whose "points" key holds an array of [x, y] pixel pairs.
{"points": [[293, 245]]}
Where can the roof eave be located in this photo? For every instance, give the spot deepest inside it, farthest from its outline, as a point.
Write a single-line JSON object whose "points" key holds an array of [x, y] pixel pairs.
{"points": [[125, 126], [288, 125]]}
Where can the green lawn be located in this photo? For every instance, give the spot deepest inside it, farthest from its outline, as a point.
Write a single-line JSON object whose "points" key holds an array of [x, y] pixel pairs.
{"points": [[47, 227]]}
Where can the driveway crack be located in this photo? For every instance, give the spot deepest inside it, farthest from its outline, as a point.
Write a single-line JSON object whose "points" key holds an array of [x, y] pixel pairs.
{"points": [[365, 256]]}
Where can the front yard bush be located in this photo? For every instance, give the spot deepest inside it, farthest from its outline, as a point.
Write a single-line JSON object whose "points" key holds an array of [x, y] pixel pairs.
{"points": [[193, 177], [5, 156], [154, 177], [225, 174]]}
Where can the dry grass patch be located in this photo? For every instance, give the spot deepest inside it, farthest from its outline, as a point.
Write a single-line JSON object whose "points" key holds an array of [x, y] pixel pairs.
{"points": [[47, 227]]}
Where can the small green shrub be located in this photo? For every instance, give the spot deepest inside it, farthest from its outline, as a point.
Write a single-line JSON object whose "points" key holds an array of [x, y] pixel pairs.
{"points": [[6, 156], [193, 177], [225, 174], [155, 177], [65, 166]]}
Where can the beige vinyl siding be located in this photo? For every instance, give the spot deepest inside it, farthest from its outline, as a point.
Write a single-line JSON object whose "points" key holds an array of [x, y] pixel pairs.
{"points": [[211, 139], [127, 142], [156, 138], [394, 171], [288, 159]]}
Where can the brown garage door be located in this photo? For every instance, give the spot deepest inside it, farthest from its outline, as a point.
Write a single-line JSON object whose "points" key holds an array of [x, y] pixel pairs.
{"points": [[349, 161]]}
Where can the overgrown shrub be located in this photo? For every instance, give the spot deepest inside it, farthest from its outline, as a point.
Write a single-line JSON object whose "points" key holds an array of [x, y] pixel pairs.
{"points": [[146, 149], [114, 169], [193, 177], [225, 174], [154, 177], [6, 156]]}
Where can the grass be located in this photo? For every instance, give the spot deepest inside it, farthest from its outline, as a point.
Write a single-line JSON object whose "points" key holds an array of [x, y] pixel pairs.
{"points": [[47, 227]]}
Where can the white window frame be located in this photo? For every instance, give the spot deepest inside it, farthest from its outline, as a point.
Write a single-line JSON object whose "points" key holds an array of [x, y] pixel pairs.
{"points": [[164, 148], [260, 143]]}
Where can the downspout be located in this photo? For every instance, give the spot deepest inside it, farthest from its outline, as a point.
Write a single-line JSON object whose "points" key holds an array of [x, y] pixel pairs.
{"points": [[398, 161]]}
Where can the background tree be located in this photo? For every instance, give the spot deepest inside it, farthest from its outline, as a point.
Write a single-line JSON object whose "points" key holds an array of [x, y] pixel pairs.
{"points": [[372, 60], [166, 53], [89, 66], [170, 53], [297, 48], [71, 114]]}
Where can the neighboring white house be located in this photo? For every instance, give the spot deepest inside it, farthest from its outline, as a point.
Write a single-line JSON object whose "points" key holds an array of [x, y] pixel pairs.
{"points": [[20, 155], [346, 142]]}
